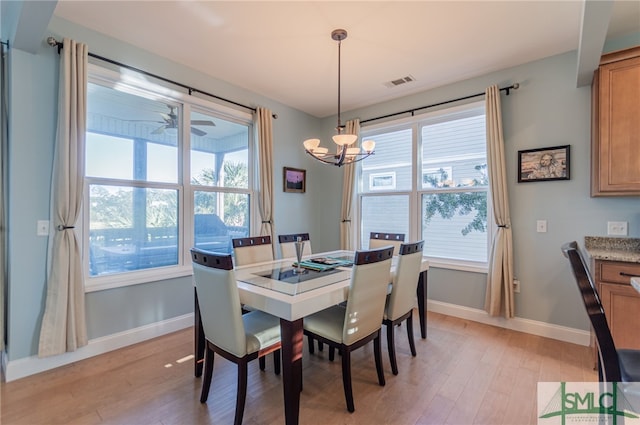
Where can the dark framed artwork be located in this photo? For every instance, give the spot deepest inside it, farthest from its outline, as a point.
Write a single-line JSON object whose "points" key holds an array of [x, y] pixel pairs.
{"points": [[535, 165], [295, 180]]}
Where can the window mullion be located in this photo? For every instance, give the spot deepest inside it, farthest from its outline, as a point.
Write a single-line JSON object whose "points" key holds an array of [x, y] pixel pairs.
{"points": [[448, 182]]}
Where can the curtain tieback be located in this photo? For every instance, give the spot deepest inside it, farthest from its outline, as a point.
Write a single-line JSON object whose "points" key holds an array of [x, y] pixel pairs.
{"points": [[346, 221], [503, 225], [266, 222], [62, 227]]}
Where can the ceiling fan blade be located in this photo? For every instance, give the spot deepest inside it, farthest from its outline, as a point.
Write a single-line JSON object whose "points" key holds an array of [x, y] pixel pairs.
{"points": [[159, 130], [202, 122], [198, 132]]}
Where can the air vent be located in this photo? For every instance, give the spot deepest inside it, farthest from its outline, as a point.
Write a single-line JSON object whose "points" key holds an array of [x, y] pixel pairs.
{"points": [[399, 81]]}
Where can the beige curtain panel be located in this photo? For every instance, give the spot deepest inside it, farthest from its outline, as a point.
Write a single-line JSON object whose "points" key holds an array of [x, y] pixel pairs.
{"points": [[265, 197], [499, 295], [4, 116], [63, 325], [348, 183]]}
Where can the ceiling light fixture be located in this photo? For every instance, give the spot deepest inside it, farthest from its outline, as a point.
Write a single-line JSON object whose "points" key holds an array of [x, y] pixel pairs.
{"points": [[344, 154]]}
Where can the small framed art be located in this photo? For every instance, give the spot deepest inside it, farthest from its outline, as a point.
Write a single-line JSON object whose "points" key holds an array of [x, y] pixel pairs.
{"points": [[544, 164], [295, 180]]}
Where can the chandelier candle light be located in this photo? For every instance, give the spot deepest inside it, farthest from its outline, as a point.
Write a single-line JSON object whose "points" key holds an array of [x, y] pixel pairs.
{"points": [[344, 154]]}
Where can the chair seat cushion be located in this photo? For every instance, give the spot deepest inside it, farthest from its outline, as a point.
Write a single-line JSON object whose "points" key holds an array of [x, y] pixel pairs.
{"points": [[629, 365], [261, 329], [327, 323]]}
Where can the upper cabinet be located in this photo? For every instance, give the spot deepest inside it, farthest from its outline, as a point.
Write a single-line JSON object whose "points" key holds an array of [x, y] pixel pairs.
{"points": [[615, 133]]}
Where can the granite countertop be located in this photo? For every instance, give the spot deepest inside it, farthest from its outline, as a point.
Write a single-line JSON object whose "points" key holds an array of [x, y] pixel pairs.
{"points": [[613, 249]]}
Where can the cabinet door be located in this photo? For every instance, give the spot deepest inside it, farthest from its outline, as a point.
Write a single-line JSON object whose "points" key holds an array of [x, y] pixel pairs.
{"points": [[618, 144], [622, 307]]}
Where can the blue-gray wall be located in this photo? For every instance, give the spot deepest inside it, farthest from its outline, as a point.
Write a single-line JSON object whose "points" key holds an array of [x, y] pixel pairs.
{"points": [[546, 111], [33, 101]]}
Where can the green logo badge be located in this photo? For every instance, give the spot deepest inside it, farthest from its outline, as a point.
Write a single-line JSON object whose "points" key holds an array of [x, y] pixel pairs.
{"points": [[588, 403]]}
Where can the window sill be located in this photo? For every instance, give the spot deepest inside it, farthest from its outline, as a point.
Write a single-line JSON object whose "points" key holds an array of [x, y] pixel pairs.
{"points": [[118, 280], [466, 266]]}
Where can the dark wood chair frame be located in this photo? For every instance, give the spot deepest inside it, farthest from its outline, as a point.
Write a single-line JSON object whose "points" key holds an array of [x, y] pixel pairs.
{"points": [[395, 237], [253, 240], [613, 365], [224, 262], [361, 257], [408, 316], [293, 237]]}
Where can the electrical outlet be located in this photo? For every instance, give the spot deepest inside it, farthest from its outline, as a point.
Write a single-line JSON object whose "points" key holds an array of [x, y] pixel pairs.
{"points": [[617, 228], [541, 226], [516, 286], [42, 228]]}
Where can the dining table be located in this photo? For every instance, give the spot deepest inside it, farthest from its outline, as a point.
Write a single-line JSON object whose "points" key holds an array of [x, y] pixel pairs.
{"points": [[286, 291]]}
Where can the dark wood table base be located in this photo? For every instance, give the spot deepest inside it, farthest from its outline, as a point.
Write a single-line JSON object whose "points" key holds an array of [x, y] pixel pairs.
{"points": [[292, 343]]}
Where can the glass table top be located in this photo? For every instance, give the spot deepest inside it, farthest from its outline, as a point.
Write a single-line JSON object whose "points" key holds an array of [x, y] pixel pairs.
{"points": [[283, 277]]}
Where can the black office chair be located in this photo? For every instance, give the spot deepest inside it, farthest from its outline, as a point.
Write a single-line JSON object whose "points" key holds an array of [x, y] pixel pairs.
{"points": [[613, 365]]}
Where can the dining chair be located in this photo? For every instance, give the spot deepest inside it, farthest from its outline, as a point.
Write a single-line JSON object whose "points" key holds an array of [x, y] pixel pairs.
{"points": [[614, 365], [378, 240], [255, 249], [360, 321], [402, 299], [237, 337], [288, 246]]}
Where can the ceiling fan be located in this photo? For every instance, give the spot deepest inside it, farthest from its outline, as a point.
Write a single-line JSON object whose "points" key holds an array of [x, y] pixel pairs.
{"points": [[171, 122]]}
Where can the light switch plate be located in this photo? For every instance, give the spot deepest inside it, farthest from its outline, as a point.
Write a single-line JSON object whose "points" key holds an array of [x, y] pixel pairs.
{"points": [[42, 228], [617, 228], [541, 226]]}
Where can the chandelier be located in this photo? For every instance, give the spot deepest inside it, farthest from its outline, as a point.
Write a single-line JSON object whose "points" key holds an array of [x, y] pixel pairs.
{"points": [[343, 154]]}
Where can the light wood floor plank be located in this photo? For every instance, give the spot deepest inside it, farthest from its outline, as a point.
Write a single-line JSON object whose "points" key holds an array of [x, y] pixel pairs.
{"points": [[464, 373]]}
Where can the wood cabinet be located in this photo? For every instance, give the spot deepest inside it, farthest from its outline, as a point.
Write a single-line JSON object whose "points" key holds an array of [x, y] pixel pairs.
{"points": [[620, 300], [615, 133]]}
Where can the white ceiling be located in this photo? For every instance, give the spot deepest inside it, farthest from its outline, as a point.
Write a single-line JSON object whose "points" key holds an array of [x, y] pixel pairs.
{"points": [[283, 50]]}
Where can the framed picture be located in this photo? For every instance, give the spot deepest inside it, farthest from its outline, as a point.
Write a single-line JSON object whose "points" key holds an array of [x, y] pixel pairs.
{"points": [[535, 165], [295, 180]]}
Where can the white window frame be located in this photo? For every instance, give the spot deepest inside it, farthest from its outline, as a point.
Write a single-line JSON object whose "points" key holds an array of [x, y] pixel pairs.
{"points": [[138, 86], [417, 191]]}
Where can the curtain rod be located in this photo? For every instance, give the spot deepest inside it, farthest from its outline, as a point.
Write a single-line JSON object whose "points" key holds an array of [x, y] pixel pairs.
{"points": [[514, 86], [54, 43]]}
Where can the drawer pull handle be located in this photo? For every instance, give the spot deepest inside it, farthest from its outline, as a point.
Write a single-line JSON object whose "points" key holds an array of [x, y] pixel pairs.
{"points": [[628, 274]]}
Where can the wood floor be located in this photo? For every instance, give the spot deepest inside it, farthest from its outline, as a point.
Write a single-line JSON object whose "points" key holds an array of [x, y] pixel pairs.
{"points": [[464, 373]]}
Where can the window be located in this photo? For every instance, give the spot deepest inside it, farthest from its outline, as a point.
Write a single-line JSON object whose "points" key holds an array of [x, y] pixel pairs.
{"points": [[440, 187], [162, 174], [382, 181]]}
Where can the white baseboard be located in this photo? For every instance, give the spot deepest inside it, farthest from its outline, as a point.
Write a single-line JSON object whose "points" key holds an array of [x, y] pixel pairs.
{"points": [[31, 365], [24, 367], [562, 333]]}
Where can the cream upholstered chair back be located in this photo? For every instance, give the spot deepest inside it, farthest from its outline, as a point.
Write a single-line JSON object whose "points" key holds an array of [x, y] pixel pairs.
{"points": [[405, 282], [256, 249], [219, 301], [370, 277], [378, 240], [288, 246]]}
